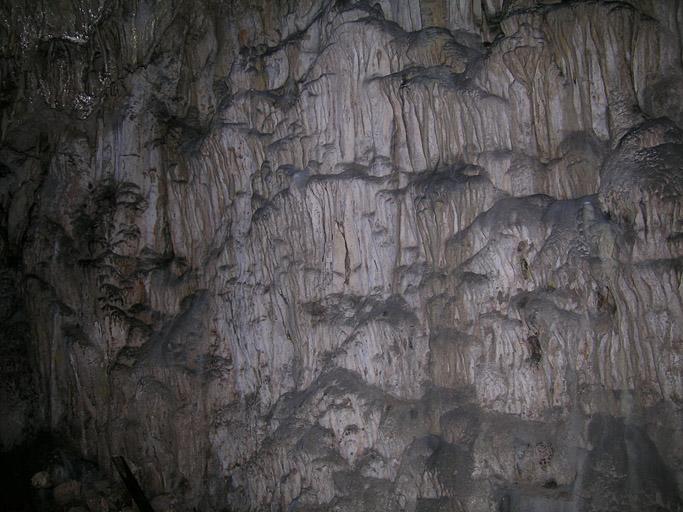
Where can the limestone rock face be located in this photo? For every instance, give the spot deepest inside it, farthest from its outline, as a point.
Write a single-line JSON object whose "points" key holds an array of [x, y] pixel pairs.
{"points": [[332, 255]]}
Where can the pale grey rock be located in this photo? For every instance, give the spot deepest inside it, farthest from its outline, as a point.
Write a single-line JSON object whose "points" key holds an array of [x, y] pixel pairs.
{"points": [[41, 480], [316, 255]]}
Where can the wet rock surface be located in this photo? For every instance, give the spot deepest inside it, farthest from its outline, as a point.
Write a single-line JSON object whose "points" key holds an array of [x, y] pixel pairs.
{"points": [[315, 255]]}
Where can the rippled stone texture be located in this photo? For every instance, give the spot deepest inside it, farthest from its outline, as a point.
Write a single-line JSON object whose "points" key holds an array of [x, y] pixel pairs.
{"points": [[315, 255]]}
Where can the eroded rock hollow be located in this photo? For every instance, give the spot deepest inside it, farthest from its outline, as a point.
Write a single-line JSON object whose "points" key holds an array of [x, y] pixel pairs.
{"points": [[312, 255]]}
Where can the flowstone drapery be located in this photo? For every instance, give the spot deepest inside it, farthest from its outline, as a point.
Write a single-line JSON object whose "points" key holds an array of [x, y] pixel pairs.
{"points": [[316, 255]]}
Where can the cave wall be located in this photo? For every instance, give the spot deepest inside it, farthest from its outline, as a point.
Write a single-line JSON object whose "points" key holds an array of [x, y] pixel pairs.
{"points": [[317, 255]]}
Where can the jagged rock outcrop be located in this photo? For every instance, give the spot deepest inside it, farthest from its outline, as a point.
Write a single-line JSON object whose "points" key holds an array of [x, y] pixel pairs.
{"points": [[316, 255]]}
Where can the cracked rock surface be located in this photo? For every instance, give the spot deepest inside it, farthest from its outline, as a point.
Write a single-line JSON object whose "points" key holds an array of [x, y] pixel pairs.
{"points": [[410, 255]]}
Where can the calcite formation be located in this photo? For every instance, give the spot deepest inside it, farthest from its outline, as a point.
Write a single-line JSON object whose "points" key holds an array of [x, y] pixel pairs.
{"points": [[307, 255]]}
